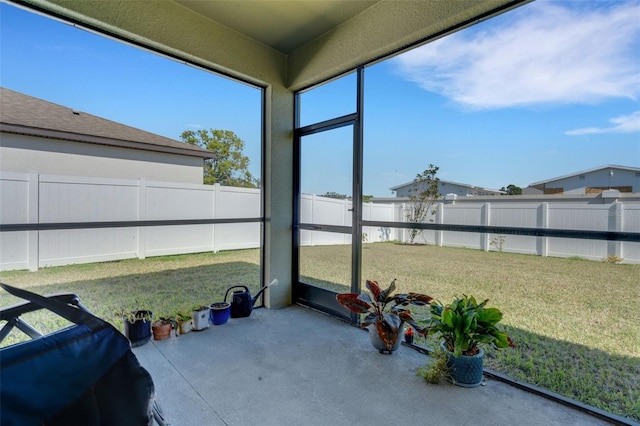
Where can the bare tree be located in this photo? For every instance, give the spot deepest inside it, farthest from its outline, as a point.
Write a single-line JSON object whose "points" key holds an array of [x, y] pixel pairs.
{"points": [[423, 195]]}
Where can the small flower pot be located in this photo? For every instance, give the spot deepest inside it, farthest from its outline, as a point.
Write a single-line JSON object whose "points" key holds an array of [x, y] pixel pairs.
{"points": [[220, 312], [184, 326], [201, 319], [408, 336], [378, 343], [161, 330]]}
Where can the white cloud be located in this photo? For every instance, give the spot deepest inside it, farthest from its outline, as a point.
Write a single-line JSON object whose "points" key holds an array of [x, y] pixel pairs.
{"points": [[541, 53], [623, 124]]}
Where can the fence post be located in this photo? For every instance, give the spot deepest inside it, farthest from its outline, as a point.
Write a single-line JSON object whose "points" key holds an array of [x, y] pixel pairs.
{"points": [[485, 219], [393, 231], [142, 215], [403, 231], [314, 200], [440, 220], [542, 243], [615, 223], [33, 253], [345, 214], [216, 193]]}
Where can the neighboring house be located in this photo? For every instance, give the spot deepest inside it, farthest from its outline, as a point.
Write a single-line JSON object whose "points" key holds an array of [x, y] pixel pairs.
{"points": [[592, 181], [447, 187], [40, 136]]}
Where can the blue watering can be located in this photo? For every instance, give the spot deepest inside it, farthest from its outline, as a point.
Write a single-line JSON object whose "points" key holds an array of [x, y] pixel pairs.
{"points": [[241, 300]]}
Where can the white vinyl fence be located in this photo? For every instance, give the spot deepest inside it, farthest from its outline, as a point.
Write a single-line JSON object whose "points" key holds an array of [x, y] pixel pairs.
{"points": [[32, 198], [520, 212]]}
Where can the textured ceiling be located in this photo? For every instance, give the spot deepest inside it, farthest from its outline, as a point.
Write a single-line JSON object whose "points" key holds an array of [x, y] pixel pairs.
{"points": [[281, 24]]}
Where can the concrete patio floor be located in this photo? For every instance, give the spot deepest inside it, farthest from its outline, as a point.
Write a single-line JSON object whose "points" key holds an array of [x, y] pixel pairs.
{"points": [[295, 366]]}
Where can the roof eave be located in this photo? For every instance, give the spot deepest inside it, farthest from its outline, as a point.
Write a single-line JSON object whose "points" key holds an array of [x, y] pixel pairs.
{"points": [[99, 140], [583, 172]]}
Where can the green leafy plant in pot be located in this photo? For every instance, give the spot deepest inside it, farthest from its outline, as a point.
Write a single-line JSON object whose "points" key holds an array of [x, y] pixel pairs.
{"points": [[137, 326], [184, 319], [464, 325], [385, 313]]}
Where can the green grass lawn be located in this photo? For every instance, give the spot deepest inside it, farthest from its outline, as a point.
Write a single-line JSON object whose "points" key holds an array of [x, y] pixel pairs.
{"points": [[575, 322]]}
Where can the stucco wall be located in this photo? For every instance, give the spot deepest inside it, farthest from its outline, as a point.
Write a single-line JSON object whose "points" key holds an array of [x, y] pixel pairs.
{"points": [[20, 153], [388, 26]]}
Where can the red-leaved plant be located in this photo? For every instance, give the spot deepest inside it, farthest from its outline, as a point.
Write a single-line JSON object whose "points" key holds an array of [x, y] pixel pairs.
{"points": [[387, 311]]}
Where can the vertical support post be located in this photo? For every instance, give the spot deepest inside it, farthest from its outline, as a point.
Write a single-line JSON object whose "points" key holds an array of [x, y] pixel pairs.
{"points": [[485, 218], [33, 237], [356, 196], [142, 215]]}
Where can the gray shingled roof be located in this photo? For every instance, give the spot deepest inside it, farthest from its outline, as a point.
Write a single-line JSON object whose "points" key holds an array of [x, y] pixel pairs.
{"points": [[26, 115]]}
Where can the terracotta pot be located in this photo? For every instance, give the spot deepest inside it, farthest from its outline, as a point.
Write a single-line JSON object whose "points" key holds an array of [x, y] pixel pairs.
{"points": [[161, 331]]}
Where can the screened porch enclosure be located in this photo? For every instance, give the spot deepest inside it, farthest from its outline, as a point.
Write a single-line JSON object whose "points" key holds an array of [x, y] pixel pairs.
{"points": [[317, 67]]}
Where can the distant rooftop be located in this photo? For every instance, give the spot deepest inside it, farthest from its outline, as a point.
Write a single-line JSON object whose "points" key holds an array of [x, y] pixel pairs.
{"points": [[584, 172], [26, 115], [449, 182]]}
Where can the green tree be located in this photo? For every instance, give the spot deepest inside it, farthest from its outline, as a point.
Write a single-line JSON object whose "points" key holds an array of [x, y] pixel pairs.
{"points": [[230, 167], [511, 189], [423, 195]]}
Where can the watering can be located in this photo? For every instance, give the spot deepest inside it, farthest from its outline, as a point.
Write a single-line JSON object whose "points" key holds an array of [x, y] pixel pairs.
{"points": [[241, 300]]}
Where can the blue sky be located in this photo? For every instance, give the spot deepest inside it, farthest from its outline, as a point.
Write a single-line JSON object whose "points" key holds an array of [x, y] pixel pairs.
{"points": [[548, 89]]}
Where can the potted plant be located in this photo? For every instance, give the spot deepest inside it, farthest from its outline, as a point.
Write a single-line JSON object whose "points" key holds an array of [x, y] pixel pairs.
{"points": [[185, 321], [464, 325], [137, 326], [386, 313], [162, 327], [220, 312], [200, 316]]}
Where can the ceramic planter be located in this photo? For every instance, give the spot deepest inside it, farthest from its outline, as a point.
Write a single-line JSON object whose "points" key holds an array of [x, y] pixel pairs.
{"points": [[184, 326], [139, 331], [378, 343], [201, 319], [464, 370], [220, 312]]}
